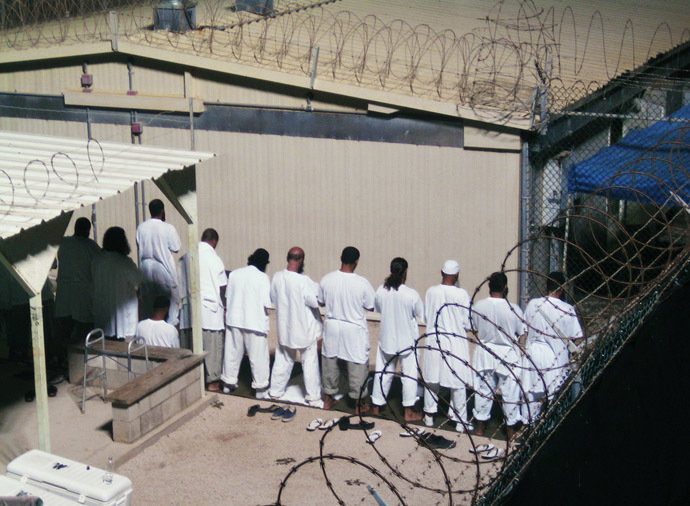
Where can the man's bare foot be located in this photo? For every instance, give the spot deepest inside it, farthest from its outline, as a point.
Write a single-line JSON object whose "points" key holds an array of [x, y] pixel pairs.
{"points": [[214, 386], [481, 427], [362, 408], [328, 401], [375, 410], [412, 416]]}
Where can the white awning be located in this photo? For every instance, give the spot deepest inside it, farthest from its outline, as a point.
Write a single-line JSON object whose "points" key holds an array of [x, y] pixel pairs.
{"points": [[43, 176]]}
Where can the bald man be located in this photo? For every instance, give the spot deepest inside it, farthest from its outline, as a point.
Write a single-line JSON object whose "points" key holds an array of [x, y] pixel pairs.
{"points": [[295, 297]]}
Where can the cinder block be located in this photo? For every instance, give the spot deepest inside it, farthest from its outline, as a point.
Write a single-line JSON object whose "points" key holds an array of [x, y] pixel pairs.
{"points": [[126, 432], [193, 375], [191, 394], [151, 419], [126, 414], [178, 384], [76, 368], [160, 395], [172, 406]]}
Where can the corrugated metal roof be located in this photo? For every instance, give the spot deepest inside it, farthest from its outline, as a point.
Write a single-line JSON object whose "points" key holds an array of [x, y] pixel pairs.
{"points": [[42, 176]]}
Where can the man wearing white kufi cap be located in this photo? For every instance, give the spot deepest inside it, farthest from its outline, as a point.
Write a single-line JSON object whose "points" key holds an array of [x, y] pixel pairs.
{"points": [[446, 359]]}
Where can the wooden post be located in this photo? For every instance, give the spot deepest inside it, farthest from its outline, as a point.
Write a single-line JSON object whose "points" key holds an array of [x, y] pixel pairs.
{"points": [[40, 374]]}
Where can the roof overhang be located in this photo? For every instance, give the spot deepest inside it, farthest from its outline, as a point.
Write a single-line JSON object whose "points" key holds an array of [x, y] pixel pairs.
{"points": [[376, 97], [43, 176]]}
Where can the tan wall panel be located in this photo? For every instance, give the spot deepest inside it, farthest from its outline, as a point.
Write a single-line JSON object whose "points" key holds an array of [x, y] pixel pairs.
{"points": [[424, 203]]}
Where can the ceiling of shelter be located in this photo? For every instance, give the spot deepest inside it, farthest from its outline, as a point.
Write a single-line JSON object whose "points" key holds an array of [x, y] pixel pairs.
{"points": [[480, 56]]}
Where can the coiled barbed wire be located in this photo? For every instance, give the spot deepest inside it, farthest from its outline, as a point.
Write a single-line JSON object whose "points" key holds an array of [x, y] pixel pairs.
{"points": [[615, 277], [490, 70]]}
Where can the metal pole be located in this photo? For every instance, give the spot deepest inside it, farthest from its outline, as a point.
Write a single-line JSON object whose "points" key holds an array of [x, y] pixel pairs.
{"points": [[40, 374], [523, 289]]}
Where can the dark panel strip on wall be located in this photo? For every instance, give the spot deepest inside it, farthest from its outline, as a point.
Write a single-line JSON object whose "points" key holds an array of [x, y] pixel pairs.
{"points": [[227, 118]]}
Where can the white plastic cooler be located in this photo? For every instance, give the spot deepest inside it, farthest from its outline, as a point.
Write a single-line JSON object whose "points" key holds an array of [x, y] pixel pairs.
{"points": [[10, 487], [80, 483]]}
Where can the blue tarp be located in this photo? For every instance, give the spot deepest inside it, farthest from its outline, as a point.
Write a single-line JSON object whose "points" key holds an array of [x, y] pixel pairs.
{"points": [[645, 166]]}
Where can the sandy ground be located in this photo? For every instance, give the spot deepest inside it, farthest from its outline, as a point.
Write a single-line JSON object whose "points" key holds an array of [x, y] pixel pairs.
{"points": [[213, 453], [222, 456]]}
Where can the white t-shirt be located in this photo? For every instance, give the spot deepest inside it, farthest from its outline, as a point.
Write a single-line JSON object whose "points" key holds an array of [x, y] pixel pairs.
{"points": [[115, 305], [75, 283], [499, 323], [158, 333], [247, 297], [345, 296], [399, 312], [447, 359], [157, 241], [295, 297], [212, 277]]}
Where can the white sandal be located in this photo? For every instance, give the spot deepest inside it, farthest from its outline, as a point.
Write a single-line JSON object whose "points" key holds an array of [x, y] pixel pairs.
{"points": [[314, 424]]}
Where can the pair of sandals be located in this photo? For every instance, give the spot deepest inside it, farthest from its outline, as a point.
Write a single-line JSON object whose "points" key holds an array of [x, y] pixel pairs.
{"points": [[318, 423], [487, 451]]}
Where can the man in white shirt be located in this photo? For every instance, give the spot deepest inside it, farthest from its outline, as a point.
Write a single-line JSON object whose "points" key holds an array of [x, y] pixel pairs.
{"points": [[157, 241], [74, 298], [551, 323], [248, 296], [346, 296], [212, 283], [155, 330], [400, 306], [499, 324], [295, 297], [447, 354]]}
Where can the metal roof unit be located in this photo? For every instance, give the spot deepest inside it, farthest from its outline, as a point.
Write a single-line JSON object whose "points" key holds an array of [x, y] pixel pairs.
{"points": [[43, 176]]}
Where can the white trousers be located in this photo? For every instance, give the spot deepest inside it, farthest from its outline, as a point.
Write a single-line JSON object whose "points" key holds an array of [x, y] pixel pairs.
{"points": [[256, 345], [383, 378], [282, 368], [457, 411], [487, 383]]}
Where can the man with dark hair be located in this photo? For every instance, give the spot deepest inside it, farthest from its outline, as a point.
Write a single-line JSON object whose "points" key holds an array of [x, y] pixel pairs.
{"points": [[551, 325], [155, 330], [115, 281], [400, 307], [346, 296], [157, 242], [248, 296], [212, 283], [499, 324], [295, 297], [74, 298]]}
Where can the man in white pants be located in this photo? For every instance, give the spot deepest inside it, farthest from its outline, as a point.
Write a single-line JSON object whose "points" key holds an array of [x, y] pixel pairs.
{"points": [[499, 324], [346, 296], [447, 356], [157, 241], [295, 297], [400, 306], [212, 283], [551, 322], [247, 296]]}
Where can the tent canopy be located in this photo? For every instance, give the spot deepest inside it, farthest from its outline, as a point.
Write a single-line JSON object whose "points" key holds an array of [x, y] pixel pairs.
{"points": [[647, 166]]}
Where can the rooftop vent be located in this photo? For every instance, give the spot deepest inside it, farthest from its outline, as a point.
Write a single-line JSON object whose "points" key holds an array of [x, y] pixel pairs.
{"points": [[175, 15], [261, 7]]}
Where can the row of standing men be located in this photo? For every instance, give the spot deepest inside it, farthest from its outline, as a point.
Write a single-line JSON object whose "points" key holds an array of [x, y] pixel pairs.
{"points": [[237, 322]]}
